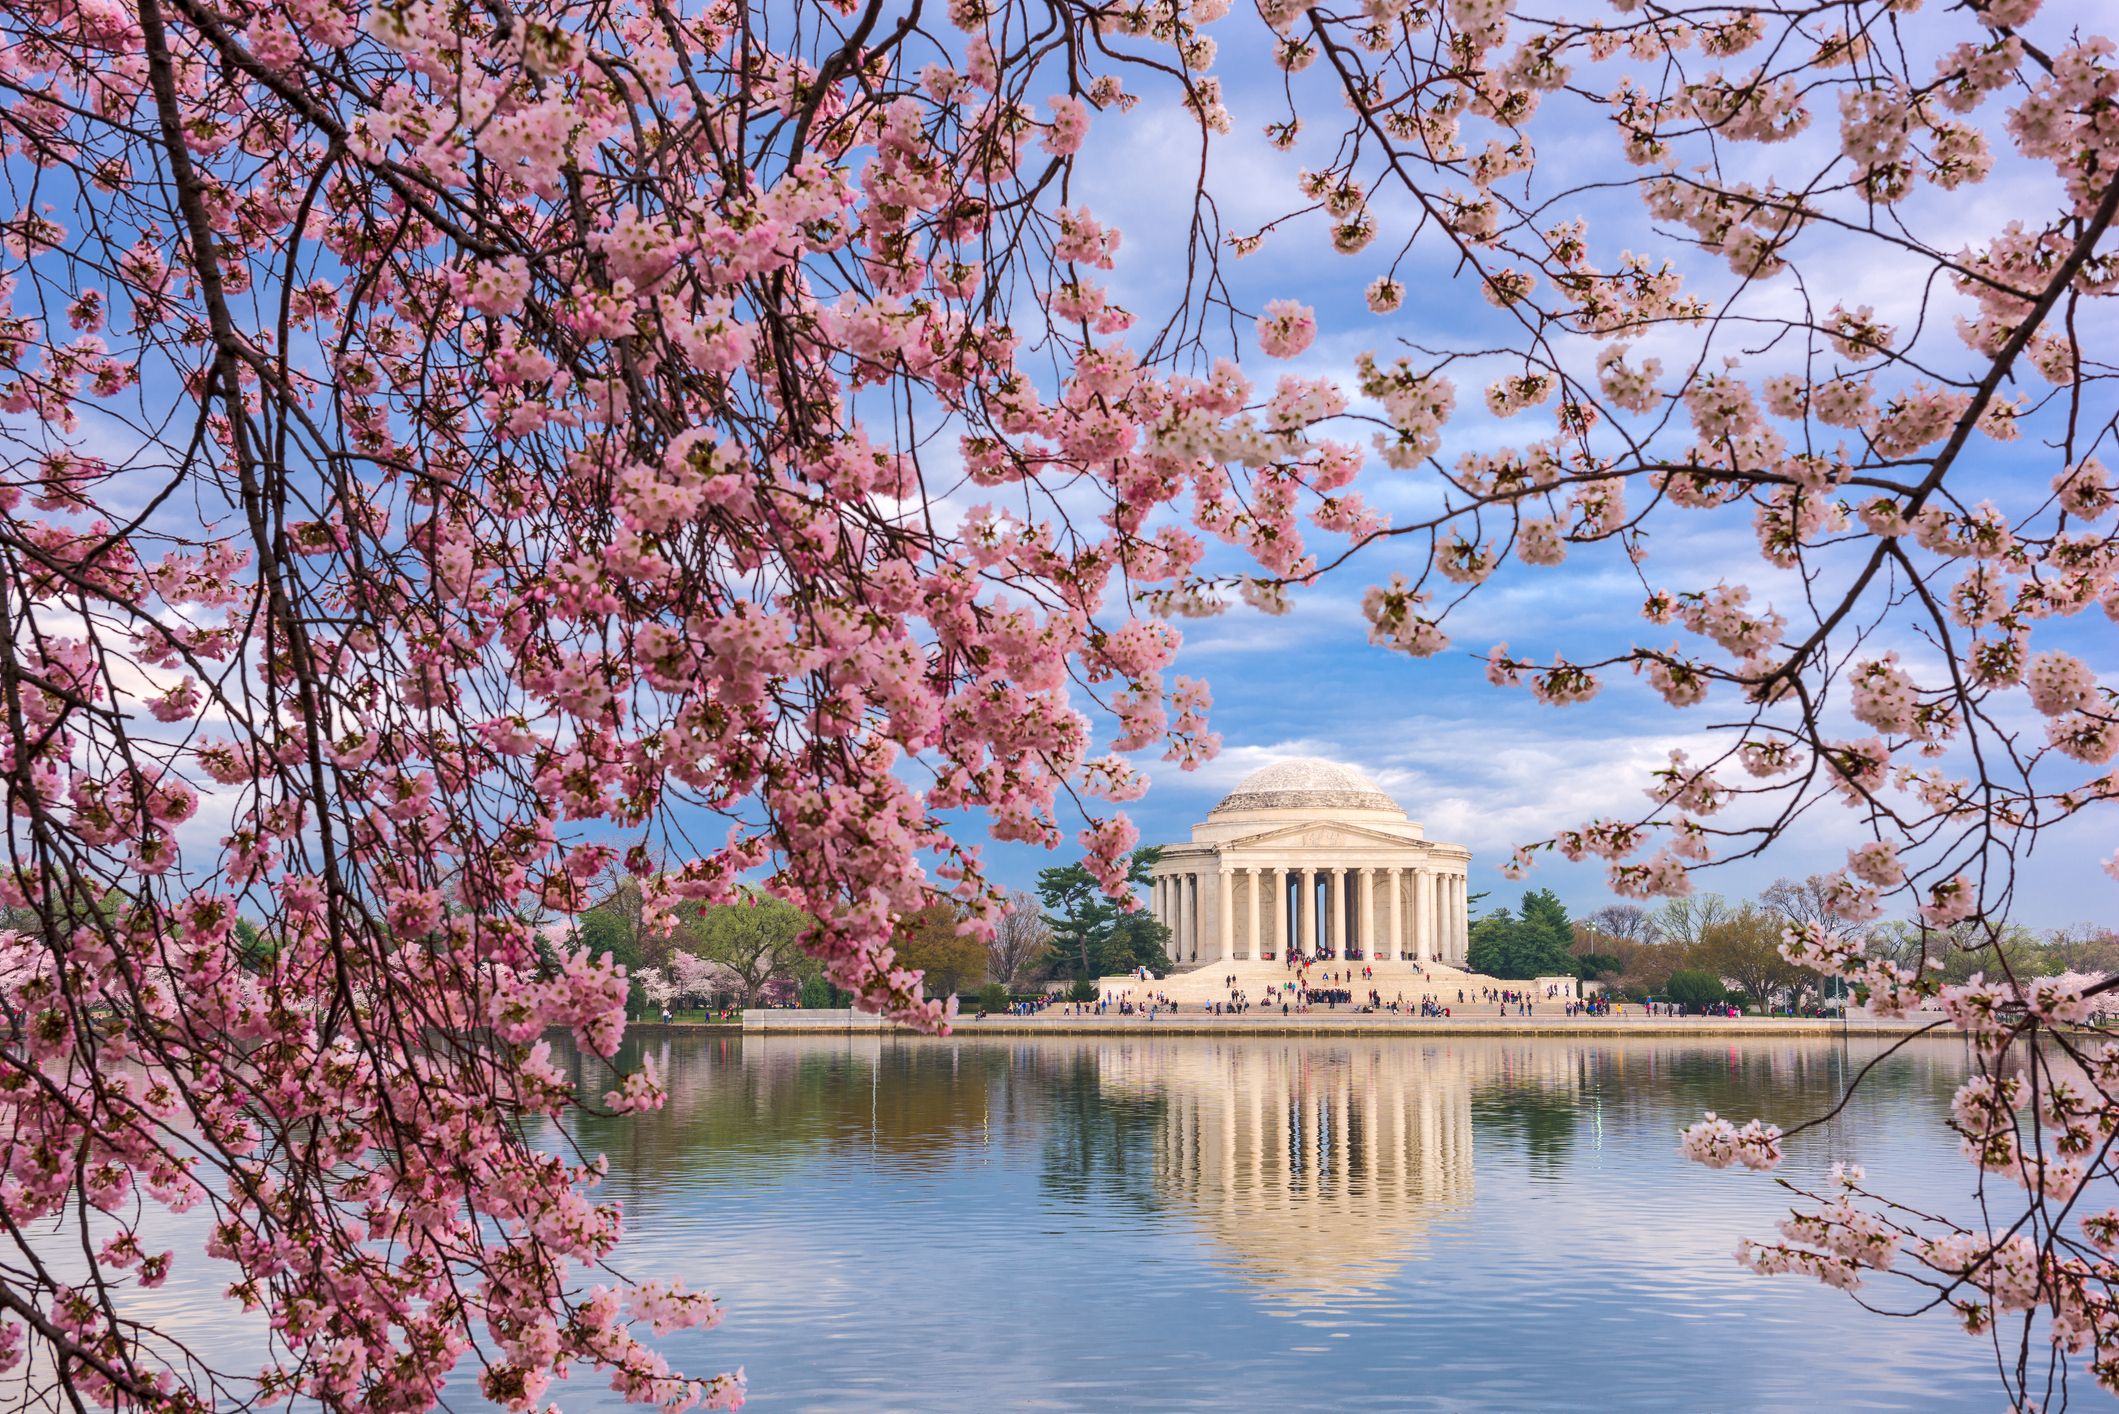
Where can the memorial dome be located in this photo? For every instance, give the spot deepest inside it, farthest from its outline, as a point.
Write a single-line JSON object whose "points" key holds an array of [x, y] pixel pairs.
{"points": [[1307, 783]]}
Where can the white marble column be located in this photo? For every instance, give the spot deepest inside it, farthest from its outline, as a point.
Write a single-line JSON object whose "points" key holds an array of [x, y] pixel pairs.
{"points": [[1268, 911], [1456, 916], [1225, 924], [1195, 905], [1424, 915], [1463, 921], [1256, 882], [1449, 917], [1283, 924], [1338, 898], [1187, 917], [1306, 908], [1177, 930], [1438, 897], [1393, 877], [1367, 910], [1451, 911], [1446, 925]]}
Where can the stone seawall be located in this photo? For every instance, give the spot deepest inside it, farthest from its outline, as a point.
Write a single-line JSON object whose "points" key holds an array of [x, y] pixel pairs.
{"points": [[816, 1019], [638, 1029], [1351, 1024]]}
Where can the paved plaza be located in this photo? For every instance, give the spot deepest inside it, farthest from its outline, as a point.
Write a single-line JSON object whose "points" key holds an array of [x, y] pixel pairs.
{"points": [[1470, 1021]]}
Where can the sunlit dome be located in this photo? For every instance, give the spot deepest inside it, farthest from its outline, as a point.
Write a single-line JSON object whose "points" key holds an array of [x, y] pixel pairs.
{"points": [[1307, 782]]}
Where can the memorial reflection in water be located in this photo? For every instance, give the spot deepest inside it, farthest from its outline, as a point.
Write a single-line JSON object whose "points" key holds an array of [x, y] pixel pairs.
{"points": [[1318, 1169]]}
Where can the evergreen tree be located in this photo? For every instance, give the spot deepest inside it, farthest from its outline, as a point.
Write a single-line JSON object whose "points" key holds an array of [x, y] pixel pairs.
{"points": [[1490, 943], [1534, 943], [1546, 936], [1078, 914], [1091, 935], [1135, 940]]}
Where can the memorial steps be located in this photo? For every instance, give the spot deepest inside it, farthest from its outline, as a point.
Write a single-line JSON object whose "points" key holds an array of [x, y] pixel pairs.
{"points": [[1257, 979]]}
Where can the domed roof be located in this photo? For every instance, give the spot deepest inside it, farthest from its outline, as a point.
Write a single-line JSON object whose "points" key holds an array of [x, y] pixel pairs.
{"points": [[1307, 782]]}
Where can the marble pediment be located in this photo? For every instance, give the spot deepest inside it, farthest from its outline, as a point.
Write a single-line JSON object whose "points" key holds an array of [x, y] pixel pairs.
{"points": [[1323, 835]]}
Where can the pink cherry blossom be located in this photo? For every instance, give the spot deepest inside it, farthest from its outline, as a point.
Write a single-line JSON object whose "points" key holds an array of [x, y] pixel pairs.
{"points": [[1286, 328]]}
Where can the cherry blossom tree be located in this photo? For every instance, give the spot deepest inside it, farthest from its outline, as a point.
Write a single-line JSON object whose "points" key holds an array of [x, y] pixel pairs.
{"points": [[695, 976], [458, 449], [455, 451], [657, 987]]}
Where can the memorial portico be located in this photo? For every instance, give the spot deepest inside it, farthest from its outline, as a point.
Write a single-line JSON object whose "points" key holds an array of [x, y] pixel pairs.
{"points": [[1310, 855]]}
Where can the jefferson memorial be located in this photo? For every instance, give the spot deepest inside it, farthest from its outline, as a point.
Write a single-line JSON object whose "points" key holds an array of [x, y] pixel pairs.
{"points": [[1310, 856]]}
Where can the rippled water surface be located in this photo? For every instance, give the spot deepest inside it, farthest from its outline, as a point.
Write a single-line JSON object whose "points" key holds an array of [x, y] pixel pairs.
{"points": [[1118, 1223]]}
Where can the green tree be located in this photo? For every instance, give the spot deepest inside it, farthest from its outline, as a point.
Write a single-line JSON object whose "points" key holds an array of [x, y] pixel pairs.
{"points": [[1491, 942], [1077, 913], [1743, 947], [1533, 943], [1135, 940], [818, 992], [2082, 947], [1546, 934], [255, 950], [612, 928], [929, 941], [1091, 935], [1974, 945], [755, 940], [1694, 988]]}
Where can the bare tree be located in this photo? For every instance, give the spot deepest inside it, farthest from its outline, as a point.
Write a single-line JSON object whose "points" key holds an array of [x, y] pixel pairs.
{"points": [[1814, 900], [1020, 941], [1627, 922], [1685, 920], [1811, 902]]}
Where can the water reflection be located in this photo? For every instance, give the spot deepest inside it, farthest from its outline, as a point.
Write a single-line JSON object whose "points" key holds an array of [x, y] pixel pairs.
{"points": [[1157, 1223], [1317, 1170], [1173, 1223]]}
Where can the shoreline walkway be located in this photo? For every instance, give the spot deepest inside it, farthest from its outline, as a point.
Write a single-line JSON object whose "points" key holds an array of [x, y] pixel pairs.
{"points": [[1348, 1023]]}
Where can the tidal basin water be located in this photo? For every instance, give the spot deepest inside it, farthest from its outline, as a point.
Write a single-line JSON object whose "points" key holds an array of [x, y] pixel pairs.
{"points": [[1122, 1223]]}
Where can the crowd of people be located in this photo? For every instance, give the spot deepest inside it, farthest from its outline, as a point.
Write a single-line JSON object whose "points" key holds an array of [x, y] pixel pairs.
{"points": [[1315, 983], [1322, 981], [1151, 1005]]}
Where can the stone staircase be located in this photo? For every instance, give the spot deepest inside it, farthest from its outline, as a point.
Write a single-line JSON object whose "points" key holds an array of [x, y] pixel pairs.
{"points": [[1197, 986]]}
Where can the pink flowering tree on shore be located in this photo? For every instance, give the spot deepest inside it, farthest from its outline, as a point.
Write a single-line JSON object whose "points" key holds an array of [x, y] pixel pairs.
{"points": [[453, 450]]}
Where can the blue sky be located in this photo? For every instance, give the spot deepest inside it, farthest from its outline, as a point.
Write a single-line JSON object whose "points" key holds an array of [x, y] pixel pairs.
{"points": [[1477, 765]]}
